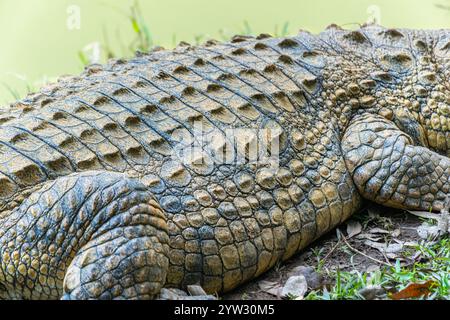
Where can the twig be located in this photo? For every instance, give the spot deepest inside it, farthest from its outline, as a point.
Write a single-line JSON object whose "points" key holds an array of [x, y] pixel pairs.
{"points": [[332, 250], [362, 253], [425, 214]]}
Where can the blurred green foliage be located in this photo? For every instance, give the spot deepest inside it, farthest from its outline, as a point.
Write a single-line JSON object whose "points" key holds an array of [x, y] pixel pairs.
{"points": [[41, 39]]}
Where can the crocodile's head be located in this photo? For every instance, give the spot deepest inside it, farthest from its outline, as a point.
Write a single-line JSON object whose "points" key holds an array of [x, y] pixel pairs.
{"points": [[432, 97], [426, 117], [401, 74], [435, 119], [423, 110]]}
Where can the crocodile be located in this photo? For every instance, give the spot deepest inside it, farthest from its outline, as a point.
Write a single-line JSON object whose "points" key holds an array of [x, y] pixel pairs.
{"points": [[210, 164]]}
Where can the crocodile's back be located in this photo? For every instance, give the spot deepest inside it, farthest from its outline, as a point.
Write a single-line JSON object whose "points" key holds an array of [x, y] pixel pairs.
{"points": [[128, 115], [121, 116]]}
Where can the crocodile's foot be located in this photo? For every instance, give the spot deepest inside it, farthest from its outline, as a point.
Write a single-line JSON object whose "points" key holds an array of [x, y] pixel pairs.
{"points": [[94, 235], [389, 168]]}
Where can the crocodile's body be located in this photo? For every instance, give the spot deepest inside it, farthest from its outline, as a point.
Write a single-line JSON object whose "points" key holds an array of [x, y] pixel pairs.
{"points": [[354, 114]]}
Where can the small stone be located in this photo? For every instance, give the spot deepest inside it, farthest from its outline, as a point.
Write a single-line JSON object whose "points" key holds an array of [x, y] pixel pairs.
{"points": [[372, 268], [313, 279], [179, 292], [371, 292], [195, 290], [295, 286], [203, 297], [301, 270]]}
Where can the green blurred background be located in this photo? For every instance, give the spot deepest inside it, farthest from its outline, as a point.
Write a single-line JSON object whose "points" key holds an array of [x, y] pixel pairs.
{"points": [[42, 39]]}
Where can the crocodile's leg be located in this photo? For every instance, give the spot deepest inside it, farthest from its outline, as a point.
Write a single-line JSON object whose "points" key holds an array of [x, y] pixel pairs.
{"points": [[389, 169], [97, 235]]}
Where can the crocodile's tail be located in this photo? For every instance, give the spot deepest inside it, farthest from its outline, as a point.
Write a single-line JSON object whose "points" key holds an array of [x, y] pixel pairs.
{"points": [[92, 235]]}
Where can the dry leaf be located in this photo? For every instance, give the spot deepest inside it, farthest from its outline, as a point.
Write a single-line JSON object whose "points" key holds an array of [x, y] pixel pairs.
{"points": [[368, 236], [414, 290], [378, 230], [270, 287], [442, 219], [383, 247], [427, 231], [407, 243], [394, 256], [353, 228]]}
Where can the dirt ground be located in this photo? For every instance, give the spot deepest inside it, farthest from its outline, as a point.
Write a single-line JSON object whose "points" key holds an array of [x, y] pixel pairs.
{"points": [[376, 225]]}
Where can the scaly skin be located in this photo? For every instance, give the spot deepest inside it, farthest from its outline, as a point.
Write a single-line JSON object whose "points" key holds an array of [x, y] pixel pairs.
{"points": [[94, 204]]}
